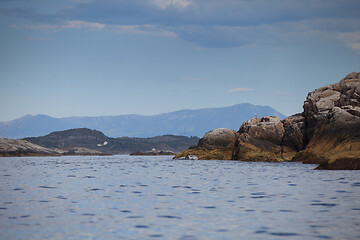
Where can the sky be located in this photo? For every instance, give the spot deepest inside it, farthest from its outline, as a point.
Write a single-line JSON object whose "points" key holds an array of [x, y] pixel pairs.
{"points": [[113, 57]]}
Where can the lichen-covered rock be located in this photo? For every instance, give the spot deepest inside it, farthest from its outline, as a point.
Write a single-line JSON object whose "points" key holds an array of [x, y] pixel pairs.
{"points": [[343, 95], [332, 118], [294, 127], [276, 139], [267, 128], [343, 163], [216, 144], [248, 152], [260, 140]]}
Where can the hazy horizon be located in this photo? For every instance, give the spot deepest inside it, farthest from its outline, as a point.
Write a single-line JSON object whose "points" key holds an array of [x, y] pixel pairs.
{"points": [[109, 58]]}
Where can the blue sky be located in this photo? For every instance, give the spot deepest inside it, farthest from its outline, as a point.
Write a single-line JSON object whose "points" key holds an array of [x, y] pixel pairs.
{"points": [[108, 57]]}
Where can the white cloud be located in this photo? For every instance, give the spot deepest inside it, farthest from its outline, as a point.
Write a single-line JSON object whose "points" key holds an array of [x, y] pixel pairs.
{"points": [[163, 4], [68, 25], [83, 24], [351, 39], [240, 90], [146, 29], [355, 46], [274, 34]]}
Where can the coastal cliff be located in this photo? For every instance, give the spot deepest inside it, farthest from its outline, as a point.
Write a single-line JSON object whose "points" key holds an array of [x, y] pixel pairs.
{"points": [[327, 132]]}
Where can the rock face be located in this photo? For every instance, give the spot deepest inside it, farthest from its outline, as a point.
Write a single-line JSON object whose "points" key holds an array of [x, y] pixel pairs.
{"points": [[339, 102], [11, 147], [265, 134], [274, 139], [327, 132], [332, 117]]}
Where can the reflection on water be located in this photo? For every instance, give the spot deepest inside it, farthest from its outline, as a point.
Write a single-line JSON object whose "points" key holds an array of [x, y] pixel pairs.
{"points": [[139, 197]]}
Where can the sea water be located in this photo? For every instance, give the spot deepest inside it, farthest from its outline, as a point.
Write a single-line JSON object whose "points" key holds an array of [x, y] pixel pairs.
{"points": [[142, 197]]}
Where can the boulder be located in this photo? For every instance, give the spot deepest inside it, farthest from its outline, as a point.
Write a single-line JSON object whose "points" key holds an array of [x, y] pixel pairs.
{"points": [[269, 129], [218, 138], [216, 144]]}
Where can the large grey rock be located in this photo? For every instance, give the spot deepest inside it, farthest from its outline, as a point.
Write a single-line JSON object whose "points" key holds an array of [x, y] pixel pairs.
{"points": [[339, 101], [294, 127], [219, 138], [267, 128], [279, 138]]}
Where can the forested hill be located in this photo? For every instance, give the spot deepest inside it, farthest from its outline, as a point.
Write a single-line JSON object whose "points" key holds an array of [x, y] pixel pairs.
{"points": [[93, 139]]}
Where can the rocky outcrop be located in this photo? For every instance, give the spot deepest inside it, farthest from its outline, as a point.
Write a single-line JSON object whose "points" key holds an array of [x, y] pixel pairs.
{"points": [[339, 102], [274, 139], [24, 148], [216, 144], [327, 132], [12, 147], [260, 138], [332, 117]]}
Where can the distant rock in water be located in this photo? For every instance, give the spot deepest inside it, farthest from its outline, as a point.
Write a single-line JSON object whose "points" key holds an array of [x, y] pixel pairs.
{"points": [[153, 153], [327, 132], [82, 151]]}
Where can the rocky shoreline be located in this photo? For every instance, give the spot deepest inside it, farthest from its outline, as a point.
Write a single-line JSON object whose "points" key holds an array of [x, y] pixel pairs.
{"points": [[153, 153], [327, 132], [24, 148]]}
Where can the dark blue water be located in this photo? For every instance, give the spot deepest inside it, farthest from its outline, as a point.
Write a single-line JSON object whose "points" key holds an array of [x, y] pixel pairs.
{"points": [[131, 197]]}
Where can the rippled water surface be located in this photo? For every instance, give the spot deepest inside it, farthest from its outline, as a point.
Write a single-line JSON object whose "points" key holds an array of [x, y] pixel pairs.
{"points": [[131, 197]]}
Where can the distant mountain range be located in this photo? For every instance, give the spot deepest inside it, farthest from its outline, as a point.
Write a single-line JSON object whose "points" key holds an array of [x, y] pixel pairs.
{"points": [[183, 122]]}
